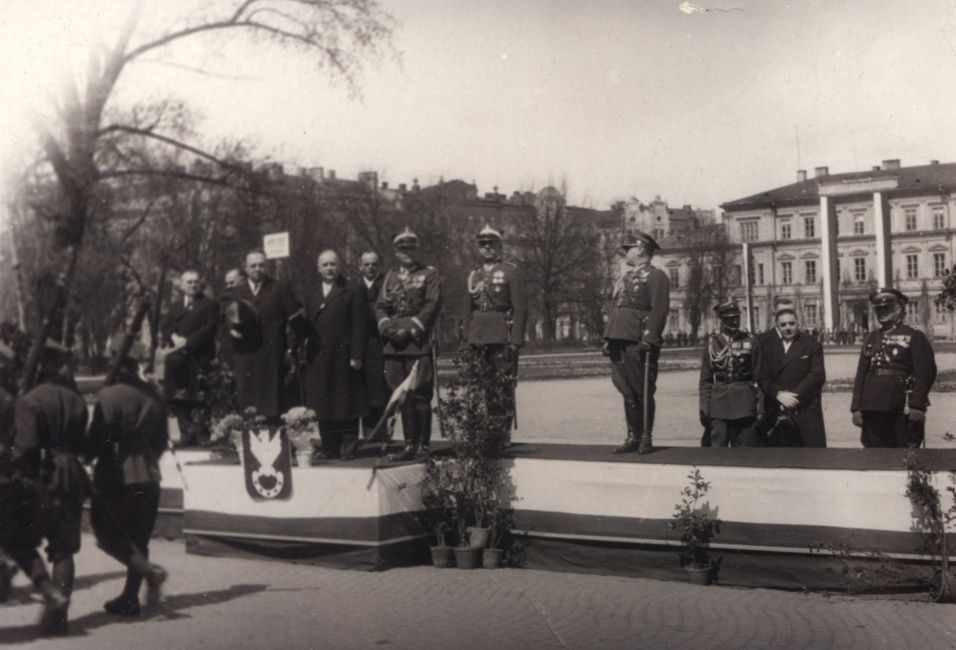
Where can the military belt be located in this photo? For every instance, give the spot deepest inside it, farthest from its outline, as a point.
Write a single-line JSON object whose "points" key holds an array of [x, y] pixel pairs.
{"points": [[640, 312], [500, 308], [890, 372], [730, 379]]}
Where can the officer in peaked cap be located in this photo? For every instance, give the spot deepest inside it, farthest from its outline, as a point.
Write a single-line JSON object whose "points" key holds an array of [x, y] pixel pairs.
{"points": [[895, 373], [407, 312], [728, 390], [497, 312], [632, 338]]}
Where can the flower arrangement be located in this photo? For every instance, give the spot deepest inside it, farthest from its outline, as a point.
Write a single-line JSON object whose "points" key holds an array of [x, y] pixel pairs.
{"points": [[302, 426], [228, 429]]}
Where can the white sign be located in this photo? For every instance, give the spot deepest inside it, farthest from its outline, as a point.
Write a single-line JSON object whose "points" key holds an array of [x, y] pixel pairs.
{"points": [[276, 245]]}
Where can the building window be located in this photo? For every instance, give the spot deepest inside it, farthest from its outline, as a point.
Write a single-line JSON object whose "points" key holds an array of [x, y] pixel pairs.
{"points": [[675, 278], [939, 217], [811, 272], [658, 234], [787, 268], [757, 318], [811, 314], [939, 265], [909, 215], [859, 269], [940, 312], [809, 227], [785, 230], [839, 277], [748, 230], [674, 319], [912, 267], [760, 273], [912, 308], [836, 225], [859, 224]]}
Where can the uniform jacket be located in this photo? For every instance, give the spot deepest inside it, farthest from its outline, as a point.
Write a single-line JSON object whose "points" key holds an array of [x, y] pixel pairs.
{"points": [[338, 334], [259, 358], [127, 433], [197, 323], [497, 307], [373, 364], [52, 416], [409, 299], [640, 306], [893, 362], [799, 370], [728, 385]]}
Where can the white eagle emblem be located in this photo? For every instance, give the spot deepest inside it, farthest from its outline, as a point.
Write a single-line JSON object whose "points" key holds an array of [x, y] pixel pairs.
{"points": [[266, 449]]}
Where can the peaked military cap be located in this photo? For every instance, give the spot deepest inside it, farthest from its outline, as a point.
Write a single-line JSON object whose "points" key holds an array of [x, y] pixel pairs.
{"points": [[728, 307], [888, 296], [632, 239], [405, 239], [489, 234]]}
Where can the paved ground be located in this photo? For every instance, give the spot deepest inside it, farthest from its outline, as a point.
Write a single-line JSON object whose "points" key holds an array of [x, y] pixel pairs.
{"points": [[227, 603]]}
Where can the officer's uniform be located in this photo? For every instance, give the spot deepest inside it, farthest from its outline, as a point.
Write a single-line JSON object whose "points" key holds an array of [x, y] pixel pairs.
{"points": [[497, 313], [639, 311], [728, 390], [895, 373], [407, 310]]}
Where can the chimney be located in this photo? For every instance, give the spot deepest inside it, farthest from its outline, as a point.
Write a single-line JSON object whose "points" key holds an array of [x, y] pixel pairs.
{"points": [[893, 163], [819, 172], [876, 168], [384, 185], [331, 174], [316, 173], [402, 187], [933, 162], [801, 175]]}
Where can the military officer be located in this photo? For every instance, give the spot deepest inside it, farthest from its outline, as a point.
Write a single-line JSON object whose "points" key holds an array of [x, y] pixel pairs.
{"points": [[895, 373], [728, 391], [632, 338], [497, 312], [407, 310]]}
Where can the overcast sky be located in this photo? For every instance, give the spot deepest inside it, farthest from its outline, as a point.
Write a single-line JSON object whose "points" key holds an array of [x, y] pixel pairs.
{"points": [[617, 99]]}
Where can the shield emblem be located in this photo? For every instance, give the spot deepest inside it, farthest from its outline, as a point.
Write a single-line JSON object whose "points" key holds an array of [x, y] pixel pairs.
{"points": [[267, 463]]}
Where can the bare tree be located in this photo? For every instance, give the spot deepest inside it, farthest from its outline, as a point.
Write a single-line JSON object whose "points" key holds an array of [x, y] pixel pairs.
{"points": [[712, 275]]}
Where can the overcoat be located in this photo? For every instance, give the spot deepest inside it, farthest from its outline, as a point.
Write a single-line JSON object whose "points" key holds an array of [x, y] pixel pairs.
{"points": [[259, 360], [338, 334], [197, 323], [799, 370], [374, 362]]}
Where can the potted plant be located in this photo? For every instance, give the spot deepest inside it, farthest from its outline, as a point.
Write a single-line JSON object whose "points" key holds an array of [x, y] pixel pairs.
{"points": [[697, 524], [302, 427], [493, 556]]}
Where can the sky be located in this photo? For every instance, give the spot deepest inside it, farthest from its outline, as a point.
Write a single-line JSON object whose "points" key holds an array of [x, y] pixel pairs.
{"points": [[613, 99]]}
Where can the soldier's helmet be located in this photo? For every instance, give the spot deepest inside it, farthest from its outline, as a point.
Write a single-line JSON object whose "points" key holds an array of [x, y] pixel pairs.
{"points": [[406, 240], [489, 234], [727, 309], [635, 237]]}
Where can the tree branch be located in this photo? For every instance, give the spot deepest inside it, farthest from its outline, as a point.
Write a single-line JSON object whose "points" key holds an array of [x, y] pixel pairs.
{"points": [[149, 133]]}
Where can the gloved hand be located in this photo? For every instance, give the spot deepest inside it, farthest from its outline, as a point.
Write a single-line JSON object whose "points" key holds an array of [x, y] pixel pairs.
{"points": [[857, 419], [400, 338], [388, 330], [917, 415], [646, 346], [68, 478], [606, 348], [416, 334]]}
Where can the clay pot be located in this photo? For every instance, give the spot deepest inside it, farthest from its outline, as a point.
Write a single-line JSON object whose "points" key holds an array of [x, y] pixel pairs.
{"points": [[467, 557], [478, 537], [700, 575], [442, 556], [492, 558]]}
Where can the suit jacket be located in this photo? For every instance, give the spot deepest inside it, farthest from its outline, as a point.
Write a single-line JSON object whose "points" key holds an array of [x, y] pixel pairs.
{"points": [[799, 370], [338, 334], [197, 323]]}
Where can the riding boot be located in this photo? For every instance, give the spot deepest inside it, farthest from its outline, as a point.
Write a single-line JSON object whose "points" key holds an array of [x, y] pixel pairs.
{"points": [[55, 606], [423, 421], [410, 431], [646, 445], [633, 440]]}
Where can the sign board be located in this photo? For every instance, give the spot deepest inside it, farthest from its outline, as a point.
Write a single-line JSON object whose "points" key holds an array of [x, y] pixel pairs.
{"points": [[276, 245]]}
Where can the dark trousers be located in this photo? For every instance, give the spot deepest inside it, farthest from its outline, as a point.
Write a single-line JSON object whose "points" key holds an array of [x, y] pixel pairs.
{"points": [[627, 375], [417, 408], [739, 432], [123, 516], [369, 421], [339, 437], [889, 429]]}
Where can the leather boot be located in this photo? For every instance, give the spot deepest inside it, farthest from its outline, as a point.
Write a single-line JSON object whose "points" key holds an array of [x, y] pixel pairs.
{"points": [[6, 581], [410, 431], [646, 446], [633, 440], [423, 425], [55, 605]]}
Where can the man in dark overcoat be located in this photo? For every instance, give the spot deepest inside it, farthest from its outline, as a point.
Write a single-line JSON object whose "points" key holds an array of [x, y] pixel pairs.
{"points": [[45, 484], [791, 375], [334, 383], [895, 373], [407, 310], [126, 438], [225, 353], [8, 390], [373, 364], [632, 338], [728, 387], [260, 350], [189, 342]]}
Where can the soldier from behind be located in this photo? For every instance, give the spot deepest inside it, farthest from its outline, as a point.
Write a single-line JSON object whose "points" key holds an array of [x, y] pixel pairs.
{"points": [[407, 310], [45, 484], [126, 438], [728, 390], [632, 338], [895, 373], [497, 312]]}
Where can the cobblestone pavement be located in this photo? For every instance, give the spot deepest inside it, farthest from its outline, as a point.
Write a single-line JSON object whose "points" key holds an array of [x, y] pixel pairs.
{"points": [[232, 603]]}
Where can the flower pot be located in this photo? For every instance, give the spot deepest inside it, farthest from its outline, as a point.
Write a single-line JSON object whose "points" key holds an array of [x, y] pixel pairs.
{"points": [[491, 558], [303, 458], [442, 556], [467, 557], [700, 575], [478, 537]]}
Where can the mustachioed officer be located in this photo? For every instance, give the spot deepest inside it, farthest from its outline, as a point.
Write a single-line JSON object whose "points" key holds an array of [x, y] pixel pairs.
{"points": [[407, 311], [632, 338], [728, 391], [895, 373]]}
